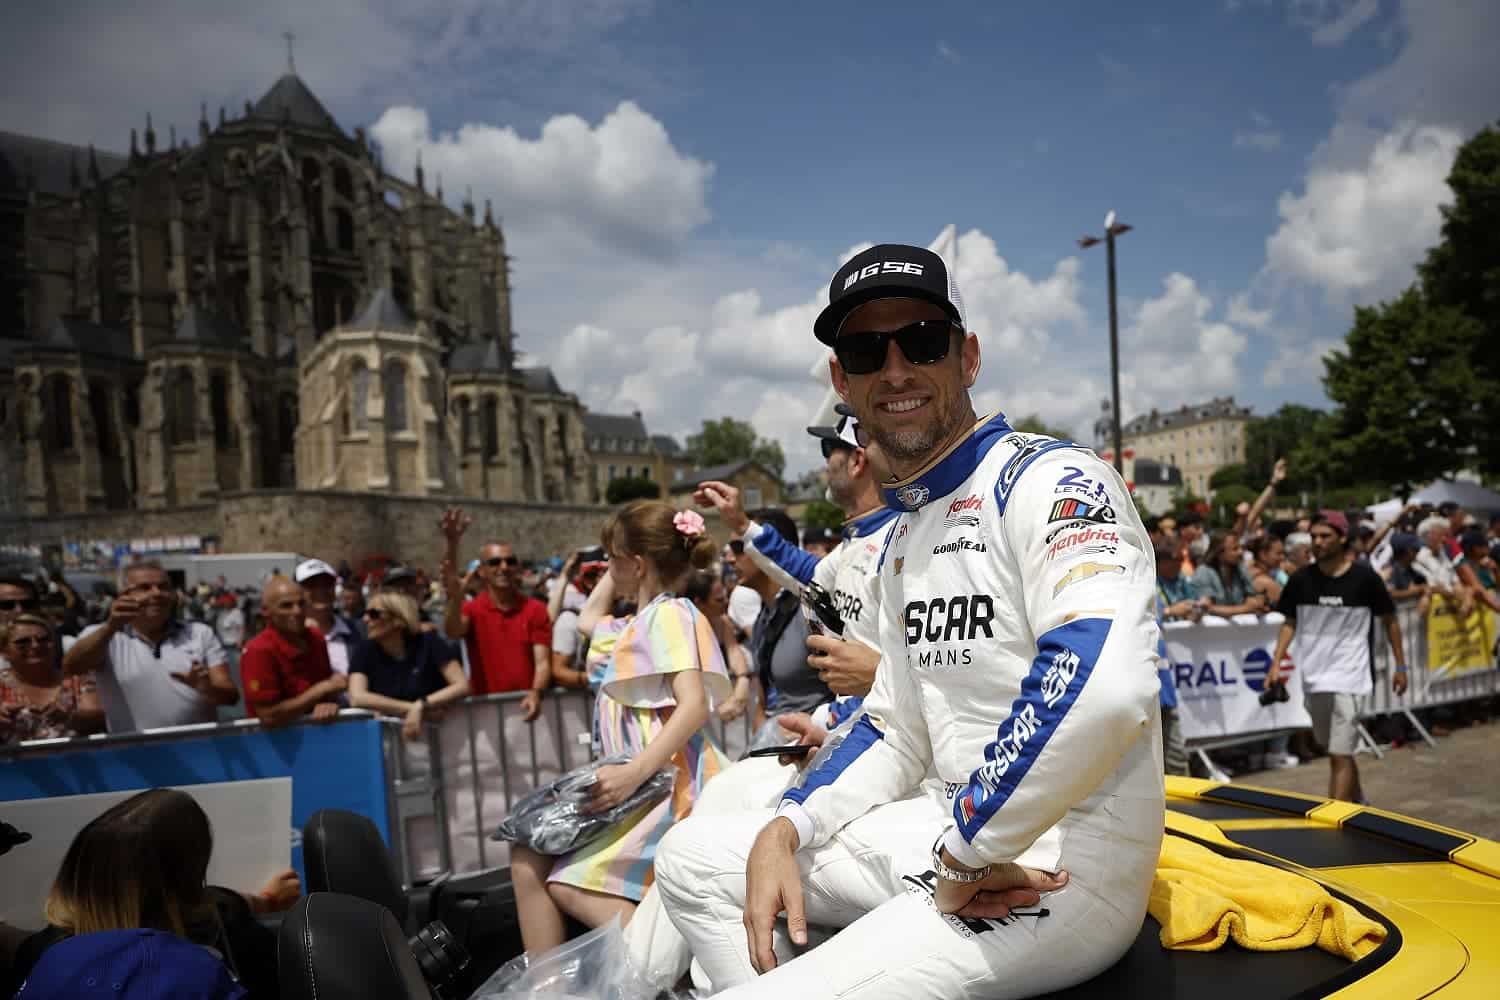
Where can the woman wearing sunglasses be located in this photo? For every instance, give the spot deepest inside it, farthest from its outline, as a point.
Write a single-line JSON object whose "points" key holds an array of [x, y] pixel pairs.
{"points": [[401, 670], [36, 701]]}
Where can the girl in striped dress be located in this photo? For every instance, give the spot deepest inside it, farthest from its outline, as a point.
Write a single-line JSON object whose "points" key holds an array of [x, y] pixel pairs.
{"points": [[657, 675]]}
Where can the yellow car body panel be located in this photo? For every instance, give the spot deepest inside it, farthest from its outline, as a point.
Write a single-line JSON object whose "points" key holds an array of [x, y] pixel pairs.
{"points": [[1444, 902]]}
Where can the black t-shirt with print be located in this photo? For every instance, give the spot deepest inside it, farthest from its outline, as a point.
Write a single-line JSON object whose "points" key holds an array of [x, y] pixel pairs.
{"points": [[1335, 617]]}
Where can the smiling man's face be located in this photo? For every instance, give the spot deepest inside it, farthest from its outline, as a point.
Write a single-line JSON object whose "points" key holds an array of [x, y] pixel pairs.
{"points": [[912, 411]]}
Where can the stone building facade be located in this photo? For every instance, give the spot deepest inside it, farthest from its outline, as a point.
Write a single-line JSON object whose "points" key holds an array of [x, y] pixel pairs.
{"points": [[620, 448], [1198, 440], [260, 308]]}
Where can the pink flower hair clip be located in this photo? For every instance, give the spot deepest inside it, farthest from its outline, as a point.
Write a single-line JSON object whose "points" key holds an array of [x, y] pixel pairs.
{"points": [[689, 523]]}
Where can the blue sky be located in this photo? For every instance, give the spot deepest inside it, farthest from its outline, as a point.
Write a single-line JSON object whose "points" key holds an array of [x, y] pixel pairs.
{"points": [[678, 180]]}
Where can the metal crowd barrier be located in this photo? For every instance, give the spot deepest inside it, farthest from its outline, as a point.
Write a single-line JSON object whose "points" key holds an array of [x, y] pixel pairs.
{"points": [[485, 757]]}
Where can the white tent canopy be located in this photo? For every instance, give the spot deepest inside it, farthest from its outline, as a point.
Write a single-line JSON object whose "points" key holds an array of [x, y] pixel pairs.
{"points": [[1471, 496]]}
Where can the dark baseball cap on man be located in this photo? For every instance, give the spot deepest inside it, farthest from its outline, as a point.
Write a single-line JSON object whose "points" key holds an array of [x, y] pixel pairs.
{"points": [[844, 433], [891, 270]]}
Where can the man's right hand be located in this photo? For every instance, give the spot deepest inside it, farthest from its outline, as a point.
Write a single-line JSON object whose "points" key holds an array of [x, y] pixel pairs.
{"points": [[808, 733], [336, 684], [123, 611], [726, 500], [773, 884], [454, 523], [1278, 471]]}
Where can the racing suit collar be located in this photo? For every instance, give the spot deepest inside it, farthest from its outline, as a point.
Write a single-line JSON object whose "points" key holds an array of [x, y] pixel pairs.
{"points": [[949, 470], [869, 522]]}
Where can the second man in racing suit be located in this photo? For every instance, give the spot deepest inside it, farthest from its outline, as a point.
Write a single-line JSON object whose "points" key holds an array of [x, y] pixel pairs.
{"points": [[1019, 663]]}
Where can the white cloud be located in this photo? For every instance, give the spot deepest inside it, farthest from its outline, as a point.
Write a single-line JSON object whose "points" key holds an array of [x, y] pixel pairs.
{"points": [[1174, 352], [1355, 231], [1331, 22], [1298, 362], [1242, 314], [622, 181]]}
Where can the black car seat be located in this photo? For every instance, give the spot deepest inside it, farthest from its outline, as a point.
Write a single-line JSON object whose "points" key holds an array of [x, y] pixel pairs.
{"points": [[343, 852], [337, 947]]}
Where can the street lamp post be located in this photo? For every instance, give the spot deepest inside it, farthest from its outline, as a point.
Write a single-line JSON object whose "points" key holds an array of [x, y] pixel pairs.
{"points": [[1112, 228]]}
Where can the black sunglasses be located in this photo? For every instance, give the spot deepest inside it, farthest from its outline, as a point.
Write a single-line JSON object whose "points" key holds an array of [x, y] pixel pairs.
{"points": [[19, 604], [503, 561], [830, 445], [27, 642], [925, 342], [374, 614], [737, 546]]}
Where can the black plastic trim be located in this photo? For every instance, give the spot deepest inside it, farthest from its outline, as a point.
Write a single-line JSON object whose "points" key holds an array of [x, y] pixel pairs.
{"points": [[1410, 834], [1331, 847], [1290, 804], [1202, 809]]}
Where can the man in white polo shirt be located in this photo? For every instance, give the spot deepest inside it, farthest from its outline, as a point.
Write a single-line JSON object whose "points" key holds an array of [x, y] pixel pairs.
{"points": [[152, 669]]}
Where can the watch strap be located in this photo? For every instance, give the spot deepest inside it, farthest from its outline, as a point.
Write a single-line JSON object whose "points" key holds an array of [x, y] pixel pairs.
{"points": [[949, 874]]}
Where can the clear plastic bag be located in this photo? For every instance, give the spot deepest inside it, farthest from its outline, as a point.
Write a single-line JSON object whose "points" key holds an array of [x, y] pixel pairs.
{"points": [[595, 966], [555, 819]]}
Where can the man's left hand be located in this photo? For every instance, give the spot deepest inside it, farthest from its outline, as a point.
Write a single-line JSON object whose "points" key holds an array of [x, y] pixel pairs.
{"points": [[1399, 681], [531, 705], [325, 711], [846, 667], [1007, 887]]}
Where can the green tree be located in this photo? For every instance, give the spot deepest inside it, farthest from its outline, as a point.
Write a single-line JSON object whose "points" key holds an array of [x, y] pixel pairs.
{"points": [[1403, 383], [1227, 498], [1032, 424], [1463, 273], [822, 514], [626, 488], [1226, 476], [730, 440], [1295, 433]]}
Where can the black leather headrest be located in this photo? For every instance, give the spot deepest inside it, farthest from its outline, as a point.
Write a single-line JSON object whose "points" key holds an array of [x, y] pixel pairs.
{"points": [[336, 947], [342, 852]]}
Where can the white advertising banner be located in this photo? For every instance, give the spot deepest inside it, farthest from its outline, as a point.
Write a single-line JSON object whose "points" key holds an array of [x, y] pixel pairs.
{"points": [[1219, 667]]}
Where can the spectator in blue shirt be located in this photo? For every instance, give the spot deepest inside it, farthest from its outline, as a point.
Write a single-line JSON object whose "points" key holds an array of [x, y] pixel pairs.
{"points": [[1223, 581], [402, 670], [1169, 561]]}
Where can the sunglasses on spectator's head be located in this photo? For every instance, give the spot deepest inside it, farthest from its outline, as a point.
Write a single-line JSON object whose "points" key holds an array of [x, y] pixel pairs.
{"points": [[503, 561], [925, 342], [19, 604], [737, 546], [374, 614], [28, 641]]}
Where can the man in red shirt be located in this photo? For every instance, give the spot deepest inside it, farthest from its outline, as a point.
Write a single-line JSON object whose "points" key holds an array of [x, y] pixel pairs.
{"points": [[285, 669], [509, 635]]}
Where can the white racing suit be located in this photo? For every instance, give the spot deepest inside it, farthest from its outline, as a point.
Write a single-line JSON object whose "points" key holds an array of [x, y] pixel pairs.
{"points": [[755, 784], [1016, 621]]}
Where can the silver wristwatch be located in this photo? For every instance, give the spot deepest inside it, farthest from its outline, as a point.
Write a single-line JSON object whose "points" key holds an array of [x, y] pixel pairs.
{"points": [[951, 875]]}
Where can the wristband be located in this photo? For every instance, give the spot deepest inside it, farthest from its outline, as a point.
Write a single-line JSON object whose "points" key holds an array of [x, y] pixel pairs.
{"points": [[1402, 669]]}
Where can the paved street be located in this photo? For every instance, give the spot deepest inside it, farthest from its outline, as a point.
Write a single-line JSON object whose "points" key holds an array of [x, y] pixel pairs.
{"points": [[1454, 784]]}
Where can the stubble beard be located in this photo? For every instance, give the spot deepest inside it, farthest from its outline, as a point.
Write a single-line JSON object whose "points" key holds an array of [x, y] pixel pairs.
{"points": [[918, 443]]}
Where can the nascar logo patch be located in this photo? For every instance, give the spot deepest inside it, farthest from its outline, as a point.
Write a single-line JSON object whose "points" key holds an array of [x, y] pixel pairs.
{"points": [[1078, 510]]}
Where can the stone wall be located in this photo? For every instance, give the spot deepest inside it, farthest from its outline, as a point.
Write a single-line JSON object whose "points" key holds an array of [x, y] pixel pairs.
{"points": [[328, 524]]}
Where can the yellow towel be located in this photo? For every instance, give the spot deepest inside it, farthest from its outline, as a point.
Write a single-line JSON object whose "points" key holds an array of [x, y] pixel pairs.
{"points": [[1201, 899]]}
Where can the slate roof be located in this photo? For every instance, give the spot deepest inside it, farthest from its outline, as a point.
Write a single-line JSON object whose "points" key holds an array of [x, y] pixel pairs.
{"points": [[477, 356], [49, 163], [666, 445], [613, 426], [725, 472], [1150, 472], [290, 99], [381, 312], [1219, 408], [540, 380]]}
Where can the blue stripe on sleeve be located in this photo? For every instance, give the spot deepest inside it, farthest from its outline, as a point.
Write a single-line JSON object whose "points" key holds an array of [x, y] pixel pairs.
{"points": [[843, 709], [1065, 659], [862, 737], [794, 562]]}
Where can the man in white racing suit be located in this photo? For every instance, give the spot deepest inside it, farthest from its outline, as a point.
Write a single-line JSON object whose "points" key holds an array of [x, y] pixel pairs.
{"points": [[846, 665], [1018, 647]]}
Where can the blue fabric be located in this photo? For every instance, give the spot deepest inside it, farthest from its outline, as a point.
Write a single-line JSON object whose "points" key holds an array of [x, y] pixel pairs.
{"points": [[794, 562], [862, 737], [1164, 672], [130, 965], [843, 709], [951, 471], [417, 674], [1177, 590], [869, 524], [1064, 662]]}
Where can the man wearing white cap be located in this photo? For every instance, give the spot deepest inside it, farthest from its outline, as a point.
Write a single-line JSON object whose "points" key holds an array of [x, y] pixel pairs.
{"points": [[320, 585]]}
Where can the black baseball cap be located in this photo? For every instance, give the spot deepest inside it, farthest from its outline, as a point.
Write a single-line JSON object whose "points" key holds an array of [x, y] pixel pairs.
{"points": [[891, 270], [844, 433]]}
